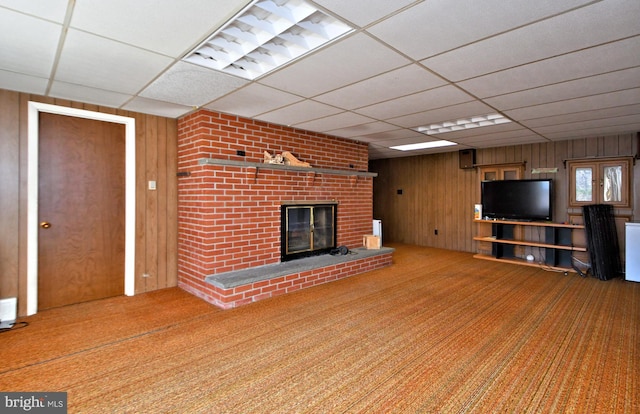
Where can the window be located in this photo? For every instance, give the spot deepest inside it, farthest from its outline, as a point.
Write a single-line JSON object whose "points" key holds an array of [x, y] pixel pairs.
{"points": [[501, 172], [603, 181]]}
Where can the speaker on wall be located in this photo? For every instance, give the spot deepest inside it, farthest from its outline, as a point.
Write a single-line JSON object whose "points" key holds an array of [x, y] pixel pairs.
{"points": [[467, 158]]}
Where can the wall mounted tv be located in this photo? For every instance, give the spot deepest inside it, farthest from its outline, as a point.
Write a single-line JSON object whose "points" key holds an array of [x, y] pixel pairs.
{"points": [[530, 200]]}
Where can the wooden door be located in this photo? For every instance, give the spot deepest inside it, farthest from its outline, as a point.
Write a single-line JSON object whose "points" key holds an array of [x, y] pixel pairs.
{"points": [[81, 210]]}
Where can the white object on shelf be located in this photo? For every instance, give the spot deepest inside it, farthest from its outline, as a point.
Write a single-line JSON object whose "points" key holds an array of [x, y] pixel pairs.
{"points": [[377, 228], [632, 251], [8, 310]]}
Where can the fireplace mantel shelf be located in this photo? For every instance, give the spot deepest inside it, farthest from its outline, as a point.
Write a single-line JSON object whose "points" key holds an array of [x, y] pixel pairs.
{"points": [[258, 165]]}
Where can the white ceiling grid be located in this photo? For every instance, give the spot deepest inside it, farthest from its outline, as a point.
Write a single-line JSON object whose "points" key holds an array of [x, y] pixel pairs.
{"points": [[560, 69]]}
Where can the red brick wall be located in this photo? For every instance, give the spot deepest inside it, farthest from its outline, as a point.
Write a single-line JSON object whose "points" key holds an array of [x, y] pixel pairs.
{"points": [[206, 133], [229, 216]]}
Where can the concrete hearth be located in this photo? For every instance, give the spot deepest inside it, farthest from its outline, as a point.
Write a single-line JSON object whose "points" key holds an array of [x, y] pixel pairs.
{"points": [[236, 288], [237, 278]]}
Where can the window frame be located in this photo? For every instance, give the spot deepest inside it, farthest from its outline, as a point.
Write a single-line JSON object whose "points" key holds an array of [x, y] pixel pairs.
{"points": [[598, 167]]}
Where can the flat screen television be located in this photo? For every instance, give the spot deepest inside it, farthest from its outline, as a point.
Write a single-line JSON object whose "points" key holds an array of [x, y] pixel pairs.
{"points": [[529, 200]]}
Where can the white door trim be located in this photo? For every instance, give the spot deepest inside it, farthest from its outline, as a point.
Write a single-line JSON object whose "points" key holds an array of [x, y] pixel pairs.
{"points": [[33, 136]]}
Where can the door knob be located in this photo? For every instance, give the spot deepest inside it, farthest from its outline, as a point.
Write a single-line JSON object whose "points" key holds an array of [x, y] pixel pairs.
{"points": [[45, 224]]}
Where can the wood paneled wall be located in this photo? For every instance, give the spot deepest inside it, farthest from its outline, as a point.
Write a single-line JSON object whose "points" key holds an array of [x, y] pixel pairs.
{"points": [[438, 195], [156, 211]]}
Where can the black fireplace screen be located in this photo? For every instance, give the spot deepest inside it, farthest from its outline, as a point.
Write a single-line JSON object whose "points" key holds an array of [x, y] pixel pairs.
{"points": [[307, 230]]}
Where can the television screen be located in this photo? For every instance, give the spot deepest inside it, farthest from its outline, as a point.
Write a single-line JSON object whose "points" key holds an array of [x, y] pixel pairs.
{"points": [[517, 199]]}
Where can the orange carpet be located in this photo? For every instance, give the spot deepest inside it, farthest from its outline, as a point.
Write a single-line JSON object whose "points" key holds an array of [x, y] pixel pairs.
{"points": [[436, 332]]}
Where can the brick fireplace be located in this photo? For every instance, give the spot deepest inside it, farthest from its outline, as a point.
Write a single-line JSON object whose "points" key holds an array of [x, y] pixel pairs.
{"points": [[229, 202]]}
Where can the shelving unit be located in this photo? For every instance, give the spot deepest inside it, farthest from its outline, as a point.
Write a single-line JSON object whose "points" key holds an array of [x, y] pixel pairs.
{"points": [[504, 241]]}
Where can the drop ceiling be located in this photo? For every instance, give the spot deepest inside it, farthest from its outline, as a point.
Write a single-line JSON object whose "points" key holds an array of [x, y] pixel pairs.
{"points": [[558, 69]]}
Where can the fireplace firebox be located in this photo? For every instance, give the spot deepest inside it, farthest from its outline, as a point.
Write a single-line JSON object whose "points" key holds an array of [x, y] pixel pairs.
{"points": [[307, 230]]}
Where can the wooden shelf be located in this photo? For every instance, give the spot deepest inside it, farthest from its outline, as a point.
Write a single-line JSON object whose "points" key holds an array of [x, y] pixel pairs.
{"points": [[523, 262], [533, 223], [508, 239], [491, 239]]}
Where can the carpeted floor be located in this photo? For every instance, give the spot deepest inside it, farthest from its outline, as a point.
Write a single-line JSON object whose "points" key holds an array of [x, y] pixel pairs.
{"points": [[437, 332]]}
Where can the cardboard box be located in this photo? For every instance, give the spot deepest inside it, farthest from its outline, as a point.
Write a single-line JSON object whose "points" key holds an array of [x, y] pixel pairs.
{"points": [[370, 241], [477, 212]]}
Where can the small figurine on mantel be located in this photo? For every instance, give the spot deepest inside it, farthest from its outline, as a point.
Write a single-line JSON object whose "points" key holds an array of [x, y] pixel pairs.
{"points": [[286, 158], [275, 159]]}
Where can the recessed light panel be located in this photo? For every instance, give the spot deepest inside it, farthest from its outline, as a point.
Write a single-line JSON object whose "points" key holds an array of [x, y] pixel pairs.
{"points": [[423, 145], [462, 124], [267, 35]]}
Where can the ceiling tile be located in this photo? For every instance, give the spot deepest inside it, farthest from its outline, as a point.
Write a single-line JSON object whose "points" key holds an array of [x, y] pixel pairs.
{"points": [[166, 30], [350, 60], [594, 61], [97, 62], [489, 141], [580, 29], [378, 152], [436, 26], [593, 85], [53, 10], [363, 130], [89, 95], [22, 83], [363, 12], [606, 100], [252, 100], [583, 116], [298, 113], [399, 82], [587, 124], [418, 102], [391, 135], [485, 134], [191, 85], [593, 132], [333, 122], [27, 45], [159, 108]]}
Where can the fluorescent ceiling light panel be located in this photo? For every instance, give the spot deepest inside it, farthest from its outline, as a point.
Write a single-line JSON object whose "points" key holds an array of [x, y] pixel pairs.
{"points": [[462, 124], [423, 145], [266, 35]]}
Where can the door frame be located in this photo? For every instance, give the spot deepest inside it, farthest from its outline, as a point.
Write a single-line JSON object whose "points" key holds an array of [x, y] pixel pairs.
{"points": [[33, 137]]}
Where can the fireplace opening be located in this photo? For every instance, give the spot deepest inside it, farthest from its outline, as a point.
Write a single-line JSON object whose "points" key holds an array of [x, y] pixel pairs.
{"points": [[307, 230]]}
